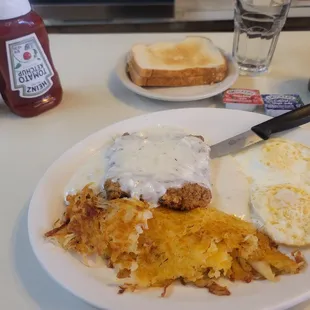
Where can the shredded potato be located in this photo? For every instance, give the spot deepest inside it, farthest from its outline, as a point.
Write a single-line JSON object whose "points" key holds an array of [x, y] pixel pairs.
{"points": [[154, 247]]}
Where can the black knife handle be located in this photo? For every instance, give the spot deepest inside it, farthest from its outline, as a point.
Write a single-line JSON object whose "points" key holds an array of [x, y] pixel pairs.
{"points": [[283, 122]]}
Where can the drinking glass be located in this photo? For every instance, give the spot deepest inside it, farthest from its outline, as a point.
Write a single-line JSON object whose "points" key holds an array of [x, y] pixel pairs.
{"points": [[258, 24]]}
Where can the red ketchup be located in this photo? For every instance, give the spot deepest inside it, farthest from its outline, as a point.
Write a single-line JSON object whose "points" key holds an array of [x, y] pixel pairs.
{"points": [[29, 82]]}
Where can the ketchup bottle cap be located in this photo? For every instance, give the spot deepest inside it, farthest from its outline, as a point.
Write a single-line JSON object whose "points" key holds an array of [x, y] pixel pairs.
{"points": [[10, 9]]}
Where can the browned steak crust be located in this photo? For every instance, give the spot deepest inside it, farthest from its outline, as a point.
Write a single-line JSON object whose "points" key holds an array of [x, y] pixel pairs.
{"points": [[113, 190], [188, 197]]}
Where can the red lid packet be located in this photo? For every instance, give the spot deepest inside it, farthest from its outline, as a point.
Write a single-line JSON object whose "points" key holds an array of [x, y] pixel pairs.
{"points": [[242, 99]]}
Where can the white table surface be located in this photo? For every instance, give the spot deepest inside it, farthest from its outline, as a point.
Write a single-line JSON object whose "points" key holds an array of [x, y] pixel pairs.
{"points": [[94, 99]]}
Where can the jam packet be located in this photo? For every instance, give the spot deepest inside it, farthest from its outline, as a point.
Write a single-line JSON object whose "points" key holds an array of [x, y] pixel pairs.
{"points": [[242, 99]]}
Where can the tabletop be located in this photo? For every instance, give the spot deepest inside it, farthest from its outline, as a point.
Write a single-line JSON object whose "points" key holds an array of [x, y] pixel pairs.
{"points": [[93, 99]]}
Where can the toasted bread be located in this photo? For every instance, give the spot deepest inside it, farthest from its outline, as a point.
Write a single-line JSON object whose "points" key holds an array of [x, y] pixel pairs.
{"points": [[193, 61], [214, 75]]}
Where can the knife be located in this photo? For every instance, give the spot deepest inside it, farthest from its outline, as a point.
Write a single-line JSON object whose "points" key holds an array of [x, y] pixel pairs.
{"points": [[262, 131]]}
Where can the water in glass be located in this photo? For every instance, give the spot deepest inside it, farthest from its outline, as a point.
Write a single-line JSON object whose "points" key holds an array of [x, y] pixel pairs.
{"points": [[258, 24]]}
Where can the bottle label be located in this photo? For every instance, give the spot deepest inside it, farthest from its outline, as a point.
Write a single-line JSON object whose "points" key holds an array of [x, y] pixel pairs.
{"points": [[30, 70]]}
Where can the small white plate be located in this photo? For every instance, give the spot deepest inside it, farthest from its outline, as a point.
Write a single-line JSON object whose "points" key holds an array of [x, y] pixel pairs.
{"points": [[96, 285], [189, 93]]}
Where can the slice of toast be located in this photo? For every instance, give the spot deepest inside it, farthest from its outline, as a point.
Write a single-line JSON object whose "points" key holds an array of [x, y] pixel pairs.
{"points": [[213, 75], [193, 61]]}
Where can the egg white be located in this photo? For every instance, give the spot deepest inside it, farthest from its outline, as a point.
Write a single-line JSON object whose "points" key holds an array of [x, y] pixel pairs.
{"points": [[276, 161], [283, 211], [279, 173]]}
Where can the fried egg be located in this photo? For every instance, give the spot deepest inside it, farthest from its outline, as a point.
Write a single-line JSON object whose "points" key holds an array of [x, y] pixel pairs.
{"points": [[283, 210], [276, 161]]}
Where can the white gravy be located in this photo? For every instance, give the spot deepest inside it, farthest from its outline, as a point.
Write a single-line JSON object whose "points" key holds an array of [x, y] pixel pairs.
{"points": [[230, 188], [148, 163]]}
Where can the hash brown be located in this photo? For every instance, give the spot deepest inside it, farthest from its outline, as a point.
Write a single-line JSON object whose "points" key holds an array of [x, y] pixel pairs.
{"points": [[154, 247]]}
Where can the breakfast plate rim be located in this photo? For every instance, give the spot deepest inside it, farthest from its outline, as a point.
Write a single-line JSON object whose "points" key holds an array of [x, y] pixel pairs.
{"points": [[85, 148]]}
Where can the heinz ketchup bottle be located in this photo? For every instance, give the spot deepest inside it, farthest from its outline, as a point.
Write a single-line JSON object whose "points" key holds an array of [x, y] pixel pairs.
{"points": [[29, 83]]}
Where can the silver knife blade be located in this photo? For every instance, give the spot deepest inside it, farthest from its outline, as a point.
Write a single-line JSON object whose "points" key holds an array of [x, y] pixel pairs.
{"points": [[234, 144]]}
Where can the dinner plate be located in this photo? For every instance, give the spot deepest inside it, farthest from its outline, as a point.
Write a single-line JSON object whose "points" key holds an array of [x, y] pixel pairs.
{"points": [[189, 93], [96, 285]]}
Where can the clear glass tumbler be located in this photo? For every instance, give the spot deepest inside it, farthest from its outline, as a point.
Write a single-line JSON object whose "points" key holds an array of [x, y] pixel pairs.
{"points": [[258, 24]]}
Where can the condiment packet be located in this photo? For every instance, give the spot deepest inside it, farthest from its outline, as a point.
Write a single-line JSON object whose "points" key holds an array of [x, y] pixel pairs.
{"points": [[278, 104], [242, 99]]}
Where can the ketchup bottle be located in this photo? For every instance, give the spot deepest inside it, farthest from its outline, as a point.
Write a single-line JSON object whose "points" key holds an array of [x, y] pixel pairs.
{"points": [[29, 83]]}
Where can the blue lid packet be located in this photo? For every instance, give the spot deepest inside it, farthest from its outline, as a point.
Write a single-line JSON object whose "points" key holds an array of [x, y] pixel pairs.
{"points": [[277, 104]]}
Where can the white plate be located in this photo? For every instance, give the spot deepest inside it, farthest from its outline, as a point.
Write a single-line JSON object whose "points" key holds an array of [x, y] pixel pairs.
{"points": [[189, 93], [94, 284]]}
